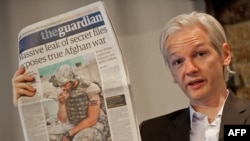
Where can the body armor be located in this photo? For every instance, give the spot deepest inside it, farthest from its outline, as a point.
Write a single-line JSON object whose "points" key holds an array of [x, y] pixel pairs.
{"points": [[77, 106]]}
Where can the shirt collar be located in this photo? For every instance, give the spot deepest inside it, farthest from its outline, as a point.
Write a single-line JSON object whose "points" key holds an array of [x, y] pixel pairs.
{"points": [[192, 111]]}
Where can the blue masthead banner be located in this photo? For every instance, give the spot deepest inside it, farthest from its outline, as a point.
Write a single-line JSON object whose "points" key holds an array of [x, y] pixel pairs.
{"points": [[60, 31]]}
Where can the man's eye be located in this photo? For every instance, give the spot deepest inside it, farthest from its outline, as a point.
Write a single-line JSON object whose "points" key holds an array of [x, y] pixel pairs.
{"points": [[201, 53], [177, 62]]}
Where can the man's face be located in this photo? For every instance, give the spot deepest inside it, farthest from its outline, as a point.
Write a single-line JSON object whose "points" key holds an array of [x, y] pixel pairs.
{"points": [[194, 63], [66, 87]]}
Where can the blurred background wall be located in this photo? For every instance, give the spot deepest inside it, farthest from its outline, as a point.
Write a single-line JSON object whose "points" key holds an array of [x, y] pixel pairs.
{"points": [[137, 23], [234, 15]]}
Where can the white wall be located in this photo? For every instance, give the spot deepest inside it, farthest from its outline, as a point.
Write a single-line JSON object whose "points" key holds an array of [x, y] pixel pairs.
{"points": [[137, 24]]}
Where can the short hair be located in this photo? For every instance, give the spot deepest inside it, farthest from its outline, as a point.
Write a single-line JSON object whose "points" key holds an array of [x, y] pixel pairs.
{"points": [[208, 23]]}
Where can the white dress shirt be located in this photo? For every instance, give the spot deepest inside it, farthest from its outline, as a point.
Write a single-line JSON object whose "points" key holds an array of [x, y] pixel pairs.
{"points": [[201, 129]]}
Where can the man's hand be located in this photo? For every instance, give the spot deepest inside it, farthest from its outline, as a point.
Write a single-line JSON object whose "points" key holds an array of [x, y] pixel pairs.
{"points": [[62, 97], [67, 136], [20, 85]]}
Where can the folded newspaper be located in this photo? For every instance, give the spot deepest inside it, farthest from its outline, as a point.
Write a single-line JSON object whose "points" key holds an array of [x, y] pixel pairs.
{"points": [[81, 80]]}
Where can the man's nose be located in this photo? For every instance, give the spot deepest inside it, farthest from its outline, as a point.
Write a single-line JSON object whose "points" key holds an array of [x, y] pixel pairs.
{"points": [[191, 67]]}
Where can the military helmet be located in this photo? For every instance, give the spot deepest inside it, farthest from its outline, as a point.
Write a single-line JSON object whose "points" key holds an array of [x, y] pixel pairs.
{"points": [[62, 75]]}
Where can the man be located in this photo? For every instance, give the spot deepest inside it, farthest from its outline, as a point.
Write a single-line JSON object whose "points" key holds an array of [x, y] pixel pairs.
{"points": [[80, 104], [195, 48]]}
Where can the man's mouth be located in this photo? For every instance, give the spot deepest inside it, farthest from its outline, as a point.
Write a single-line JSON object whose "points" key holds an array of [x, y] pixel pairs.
{"points": [[195, 83]]}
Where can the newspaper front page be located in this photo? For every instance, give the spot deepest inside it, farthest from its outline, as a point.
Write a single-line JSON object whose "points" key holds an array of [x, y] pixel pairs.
{"points": [[79, 73]]}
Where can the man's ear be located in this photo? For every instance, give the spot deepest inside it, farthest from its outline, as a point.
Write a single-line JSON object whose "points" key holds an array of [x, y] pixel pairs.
{"points": [[226, 54]]}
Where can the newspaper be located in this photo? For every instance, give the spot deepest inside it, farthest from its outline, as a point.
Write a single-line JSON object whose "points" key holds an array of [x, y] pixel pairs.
{"points": [[77, 50]]}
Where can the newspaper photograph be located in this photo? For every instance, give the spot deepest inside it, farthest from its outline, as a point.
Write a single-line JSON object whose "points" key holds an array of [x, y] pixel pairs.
{"points": [[82, 86]]}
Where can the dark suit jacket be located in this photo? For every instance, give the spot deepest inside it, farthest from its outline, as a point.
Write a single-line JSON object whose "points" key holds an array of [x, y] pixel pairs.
{"points": [[176, 126]]}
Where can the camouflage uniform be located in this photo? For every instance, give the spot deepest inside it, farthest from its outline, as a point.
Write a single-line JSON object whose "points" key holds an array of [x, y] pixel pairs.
{"points": [[77, 105]]}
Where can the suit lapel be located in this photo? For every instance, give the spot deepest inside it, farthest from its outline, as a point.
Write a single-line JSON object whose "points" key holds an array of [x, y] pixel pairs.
{"points": [[233, 113], [181, 127]]}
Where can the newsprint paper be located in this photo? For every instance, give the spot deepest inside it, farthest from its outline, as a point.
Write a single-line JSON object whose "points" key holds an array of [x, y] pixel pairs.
{"points": [[80, 77]]}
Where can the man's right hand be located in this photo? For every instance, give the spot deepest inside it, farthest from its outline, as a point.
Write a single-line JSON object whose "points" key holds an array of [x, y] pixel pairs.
{"points": [[62, 97], [20, 85]]}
